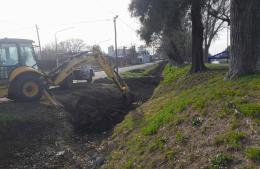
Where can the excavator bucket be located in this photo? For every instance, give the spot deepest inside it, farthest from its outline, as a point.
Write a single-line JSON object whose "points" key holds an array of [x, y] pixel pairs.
{"points": [[110, 72]]}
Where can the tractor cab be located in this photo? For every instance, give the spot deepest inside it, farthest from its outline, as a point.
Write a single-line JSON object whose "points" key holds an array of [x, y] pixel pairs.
{"points": [[19, 77], [15, 53]]}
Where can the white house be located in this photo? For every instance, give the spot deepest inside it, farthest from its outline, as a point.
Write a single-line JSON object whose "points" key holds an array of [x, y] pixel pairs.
{"points": [[144, 57], [111, 51]]}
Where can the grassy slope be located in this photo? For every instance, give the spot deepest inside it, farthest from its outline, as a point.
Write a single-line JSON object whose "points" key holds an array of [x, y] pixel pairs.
{"points": [[192, 121], [138, 72]]}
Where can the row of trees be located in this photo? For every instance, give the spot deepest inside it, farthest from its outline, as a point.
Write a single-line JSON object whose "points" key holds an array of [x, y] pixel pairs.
{"points": [[185, 29], [47, 60], [67, 46]]}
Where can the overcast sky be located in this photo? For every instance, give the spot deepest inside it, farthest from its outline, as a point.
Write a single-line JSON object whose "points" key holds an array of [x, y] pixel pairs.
{"points": [[90, 20]]}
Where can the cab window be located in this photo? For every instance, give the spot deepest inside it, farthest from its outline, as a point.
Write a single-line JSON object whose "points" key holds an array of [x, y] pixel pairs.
{"points": [[8, 55], [27, 55]]}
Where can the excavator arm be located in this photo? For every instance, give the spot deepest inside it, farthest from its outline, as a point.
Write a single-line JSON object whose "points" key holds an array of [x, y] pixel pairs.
{"points": [[60, 74], [110, 72]]}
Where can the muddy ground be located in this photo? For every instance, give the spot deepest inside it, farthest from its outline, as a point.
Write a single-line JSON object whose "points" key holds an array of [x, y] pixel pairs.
{"points": [[39, 136]]}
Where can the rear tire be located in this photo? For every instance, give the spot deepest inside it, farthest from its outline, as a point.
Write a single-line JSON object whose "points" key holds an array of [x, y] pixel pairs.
{"points": [[27, 88]]}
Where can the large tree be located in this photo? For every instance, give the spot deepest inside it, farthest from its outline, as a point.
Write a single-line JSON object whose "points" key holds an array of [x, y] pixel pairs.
{"points": [[245, 37], [166, 18], [161, 20], [197, 37]]}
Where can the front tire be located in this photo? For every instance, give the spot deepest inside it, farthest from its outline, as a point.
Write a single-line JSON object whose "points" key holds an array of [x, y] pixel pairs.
{"points": [[27, 88]]}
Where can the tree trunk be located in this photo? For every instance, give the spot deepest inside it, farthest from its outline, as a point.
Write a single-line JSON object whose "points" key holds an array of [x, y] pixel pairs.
{"points": [[245, 37], [197, 38], [175, 55], [206, 53]]}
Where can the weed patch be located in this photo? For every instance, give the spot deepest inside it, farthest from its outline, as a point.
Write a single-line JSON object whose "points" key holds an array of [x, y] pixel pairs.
{"points": [[220, 161], [233, 139], [253, 153]]}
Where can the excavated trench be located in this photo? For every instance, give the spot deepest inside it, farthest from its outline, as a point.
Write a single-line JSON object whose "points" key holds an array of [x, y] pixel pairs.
{"points": [[37, 136], [101, 106], [98, 107]]}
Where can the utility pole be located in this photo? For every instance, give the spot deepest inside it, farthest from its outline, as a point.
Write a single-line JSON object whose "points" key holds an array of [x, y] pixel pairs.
{"points": [[116, 67], [56, 43], [39, 41]]}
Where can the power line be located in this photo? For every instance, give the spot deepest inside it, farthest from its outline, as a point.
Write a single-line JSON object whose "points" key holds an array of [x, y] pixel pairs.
{"points": [[15, 30], [126, 24], [75, 23], [103, 41], [89, 21]]}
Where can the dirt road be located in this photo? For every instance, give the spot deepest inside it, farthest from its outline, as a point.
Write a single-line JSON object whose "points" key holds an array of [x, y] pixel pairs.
{"points": [[37, 136]]}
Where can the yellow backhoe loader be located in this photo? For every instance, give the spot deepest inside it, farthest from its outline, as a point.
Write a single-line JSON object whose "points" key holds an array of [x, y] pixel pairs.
{"points": [[21, 80]]}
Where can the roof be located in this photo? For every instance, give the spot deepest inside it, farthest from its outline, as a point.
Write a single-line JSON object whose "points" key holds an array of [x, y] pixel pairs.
{"points": [[13, 40]]}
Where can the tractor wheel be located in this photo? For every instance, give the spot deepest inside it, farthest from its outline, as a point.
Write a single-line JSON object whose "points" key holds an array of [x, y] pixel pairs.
{"points": [[28, 88]]}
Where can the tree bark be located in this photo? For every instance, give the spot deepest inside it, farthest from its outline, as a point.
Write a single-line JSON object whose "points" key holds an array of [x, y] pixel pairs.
{"points": [[245, 37], [206, 53], [176, 55], [197, 38]]}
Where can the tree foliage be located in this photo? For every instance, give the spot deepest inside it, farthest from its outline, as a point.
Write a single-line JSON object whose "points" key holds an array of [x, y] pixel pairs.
{"points": [[71, 45], [63, 47], [167, 19], [162, 20]]}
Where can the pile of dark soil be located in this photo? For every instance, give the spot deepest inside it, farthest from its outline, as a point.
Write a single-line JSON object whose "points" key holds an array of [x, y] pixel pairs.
{"points": [[100, 106], [95, 108]]}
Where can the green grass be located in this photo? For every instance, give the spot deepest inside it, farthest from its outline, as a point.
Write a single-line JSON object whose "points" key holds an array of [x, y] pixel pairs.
{"points": [[157, 144], [138, 72], [188, 102], [250, 109], [180, 137], [232, 139], [249, 167], [4, 118], [213, 88], [220, 161], [170, 154], [253, 153], [172, 73]]}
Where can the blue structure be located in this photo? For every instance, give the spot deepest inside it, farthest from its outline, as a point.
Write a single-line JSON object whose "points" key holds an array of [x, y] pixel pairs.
{"points": [[222, 55]]}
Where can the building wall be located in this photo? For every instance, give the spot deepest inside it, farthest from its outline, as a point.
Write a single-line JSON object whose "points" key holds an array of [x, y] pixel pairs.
{"points": [[111, 51]]}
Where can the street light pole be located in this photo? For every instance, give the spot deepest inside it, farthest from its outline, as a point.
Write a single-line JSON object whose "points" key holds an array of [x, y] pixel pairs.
{"points": [[39, 41], [56, 43], [116, 67]]}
